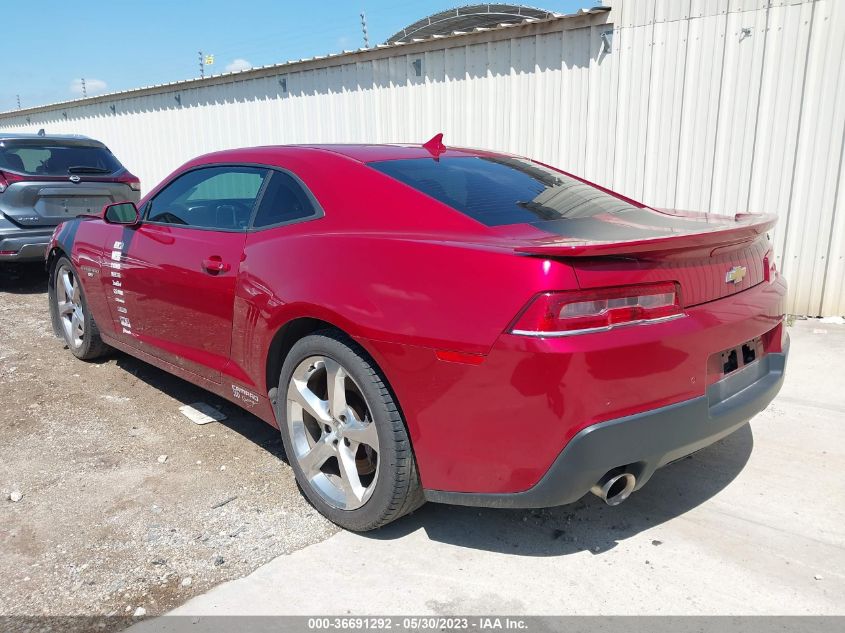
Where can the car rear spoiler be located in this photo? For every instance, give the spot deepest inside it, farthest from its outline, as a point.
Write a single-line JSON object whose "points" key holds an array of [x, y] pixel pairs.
{"points": [[742, 228]]}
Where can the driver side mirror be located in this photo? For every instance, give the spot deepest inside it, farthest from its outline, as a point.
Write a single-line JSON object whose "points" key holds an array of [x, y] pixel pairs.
{"points": [[125, 213]]}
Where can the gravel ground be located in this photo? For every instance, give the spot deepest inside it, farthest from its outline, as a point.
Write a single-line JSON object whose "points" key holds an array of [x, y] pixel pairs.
{"points": [[105, 524]]}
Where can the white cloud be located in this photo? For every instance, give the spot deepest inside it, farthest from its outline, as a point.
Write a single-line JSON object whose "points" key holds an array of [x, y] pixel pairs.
{"points": [[92, 86], [238, 64]]}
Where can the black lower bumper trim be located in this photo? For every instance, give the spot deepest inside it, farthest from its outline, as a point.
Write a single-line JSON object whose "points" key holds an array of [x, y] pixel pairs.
{"points": [[644, 442], [25, 246]]}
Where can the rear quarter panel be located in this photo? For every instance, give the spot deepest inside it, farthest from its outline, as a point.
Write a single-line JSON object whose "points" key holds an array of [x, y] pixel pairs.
{"points": [[408, 291]]}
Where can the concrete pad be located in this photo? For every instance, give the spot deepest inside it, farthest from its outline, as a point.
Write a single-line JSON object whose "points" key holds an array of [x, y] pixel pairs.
{"points": [[751, 525]]}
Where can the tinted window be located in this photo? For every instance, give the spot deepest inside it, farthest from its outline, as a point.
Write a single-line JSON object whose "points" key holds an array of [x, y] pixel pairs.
{"points": [[49, 158], [211, 198], [502, 190], [284, 200]]}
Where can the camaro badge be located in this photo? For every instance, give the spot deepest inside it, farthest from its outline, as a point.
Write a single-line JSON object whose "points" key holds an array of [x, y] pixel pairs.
{"points": [[735, 275]]}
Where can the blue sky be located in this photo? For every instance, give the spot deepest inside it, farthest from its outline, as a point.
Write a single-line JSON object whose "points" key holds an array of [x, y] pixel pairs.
{"points": [[48, 46]]}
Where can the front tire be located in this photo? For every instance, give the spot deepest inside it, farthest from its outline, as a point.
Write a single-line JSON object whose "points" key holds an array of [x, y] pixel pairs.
{"points": [[344, 435], [72, 320]]}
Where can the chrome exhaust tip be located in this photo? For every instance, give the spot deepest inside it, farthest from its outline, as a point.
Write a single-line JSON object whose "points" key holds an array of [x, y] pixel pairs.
{"points": [[614, 489]]}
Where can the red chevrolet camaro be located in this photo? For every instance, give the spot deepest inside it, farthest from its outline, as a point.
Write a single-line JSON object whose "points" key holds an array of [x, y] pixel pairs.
{"points": [[432, 323]]}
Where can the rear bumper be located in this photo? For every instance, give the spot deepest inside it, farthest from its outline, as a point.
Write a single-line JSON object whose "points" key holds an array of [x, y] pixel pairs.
{"points": [[643, 442], [24, 245]]}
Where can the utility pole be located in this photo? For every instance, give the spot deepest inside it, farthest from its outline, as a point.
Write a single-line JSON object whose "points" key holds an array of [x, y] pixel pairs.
{"points": [[364, 29], [202, 66], [84, 91]]}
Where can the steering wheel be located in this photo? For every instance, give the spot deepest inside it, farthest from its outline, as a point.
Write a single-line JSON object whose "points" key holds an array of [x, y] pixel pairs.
{"points": [[168, 218], [241, 212]]}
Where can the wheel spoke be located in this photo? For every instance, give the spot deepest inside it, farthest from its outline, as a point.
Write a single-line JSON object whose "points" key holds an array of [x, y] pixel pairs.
{"points": [[362, 432], [299, 392], [75, 325], [336, 383], [66, 308], [349, 478], [68, 285], [314, 459]]}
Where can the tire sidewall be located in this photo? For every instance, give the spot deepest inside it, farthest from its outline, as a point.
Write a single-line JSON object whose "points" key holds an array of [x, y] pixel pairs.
{"points": [[359, 369]]}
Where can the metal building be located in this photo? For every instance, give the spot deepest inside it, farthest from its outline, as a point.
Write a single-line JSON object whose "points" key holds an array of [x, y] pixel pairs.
{"points": [[721, 105]]}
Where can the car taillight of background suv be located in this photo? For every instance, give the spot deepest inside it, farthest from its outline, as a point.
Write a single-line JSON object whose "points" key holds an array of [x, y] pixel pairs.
{"points": [[45, 180]]}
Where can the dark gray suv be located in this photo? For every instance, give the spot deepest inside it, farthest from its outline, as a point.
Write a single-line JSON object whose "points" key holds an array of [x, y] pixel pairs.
{"points": [[46, 179]]}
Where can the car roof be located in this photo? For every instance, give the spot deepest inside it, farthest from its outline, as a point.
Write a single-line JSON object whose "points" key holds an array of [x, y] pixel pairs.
{"points": [[363, 153], [25, 136]]}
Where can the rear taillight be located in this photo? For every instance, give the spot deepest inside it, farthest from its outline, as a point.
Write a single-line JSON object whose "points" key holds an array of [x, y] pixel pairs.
{"points": [[7, 179], [130, 180], [582, 311]]}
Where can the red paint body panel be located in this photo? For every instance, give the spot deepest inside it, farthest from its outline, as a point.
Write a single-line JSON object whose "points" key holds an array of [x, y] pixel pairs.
{"points": [[172, 303], [507, 419], [407, 277]]}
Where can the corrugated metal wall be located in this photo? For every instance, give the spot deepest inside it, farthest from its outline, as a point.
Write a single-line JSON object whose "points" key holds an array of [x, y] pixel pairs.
{"points": [[721, 105]]}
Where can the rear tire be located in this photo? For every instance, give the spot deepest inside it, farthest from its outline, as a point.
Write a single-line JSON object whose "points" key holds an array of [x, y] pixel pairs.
{"points": [[72, 320], [344, 435]]}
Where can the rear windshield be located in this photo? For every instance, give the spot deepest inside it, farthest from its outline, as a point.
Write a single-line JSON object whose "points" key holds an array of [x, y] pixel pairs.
{"points": [[502, 190], [50, 158]]}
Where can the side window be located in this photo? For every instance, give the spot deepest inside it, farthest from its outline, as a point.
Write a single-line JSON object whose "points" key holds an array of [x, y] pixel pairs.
{"points": [[284, 200], [210, 198]]}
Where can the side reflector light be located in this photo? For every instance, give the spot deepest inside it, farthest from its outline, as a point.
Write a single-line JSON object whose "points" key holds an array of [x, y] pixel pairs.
{"points": [[450, 356], [583, 311]]}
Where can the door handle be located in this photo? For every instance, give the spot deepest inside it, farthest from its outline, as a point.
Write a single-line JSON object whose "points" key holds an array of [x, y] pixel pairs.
{"points": [[215, 264]]}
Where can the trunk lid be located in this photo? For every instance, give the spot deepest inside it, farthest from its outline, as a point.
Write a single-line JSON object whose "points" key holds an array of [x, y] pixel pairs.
{"points": [[711, 257], [51, 202]]}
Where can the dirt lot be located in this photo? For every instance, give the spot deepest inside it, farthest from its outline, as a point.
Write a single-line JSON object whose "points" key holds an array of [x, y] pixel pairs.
{"points": [[106, 524]]}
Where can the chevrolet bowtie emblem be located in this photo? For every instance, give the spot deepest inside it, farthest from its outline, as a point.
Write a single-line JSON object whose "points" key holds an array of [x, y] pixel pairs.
{"points": [[735, 275]]}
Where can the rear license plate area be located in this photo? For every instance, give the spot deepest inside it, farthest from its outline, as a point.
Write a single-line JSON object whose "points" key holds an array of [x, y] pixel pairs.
{"points": [[56, 206], [728, 361], [741, 356]]}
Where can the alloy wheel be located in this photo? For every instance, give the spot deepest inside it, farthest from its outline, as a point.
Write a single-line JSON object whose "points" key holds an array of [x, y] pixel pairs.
{"points": [[69, 304], [335, 440]]}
